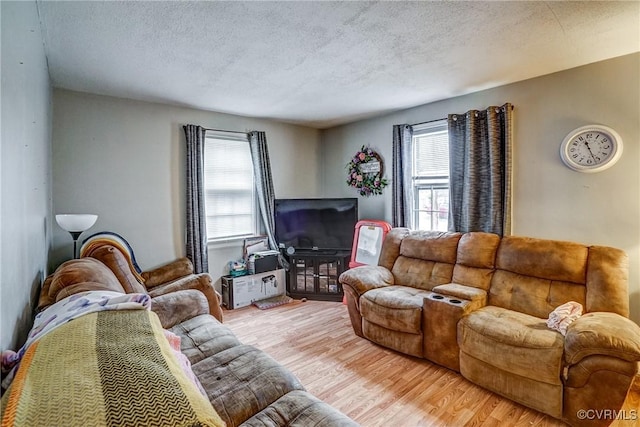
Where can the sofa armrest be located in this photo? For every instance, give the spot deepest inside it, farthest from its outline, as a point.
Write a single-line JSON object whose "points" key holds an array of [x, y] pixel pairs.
{"points": [[168, 272], [179, 306], [201, 282], [366, 277], [602, 333]]}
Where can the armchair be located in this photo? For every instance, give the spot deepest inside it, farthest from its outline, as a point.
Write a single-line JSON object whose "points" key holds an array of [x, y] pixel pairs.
{"points": [[116, 253]]}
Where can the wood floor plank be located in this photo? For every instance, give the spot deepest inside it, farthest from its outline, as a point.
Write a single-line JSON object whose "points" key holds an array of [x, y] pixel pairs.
{"points": [[374, 385], [630, 411]]}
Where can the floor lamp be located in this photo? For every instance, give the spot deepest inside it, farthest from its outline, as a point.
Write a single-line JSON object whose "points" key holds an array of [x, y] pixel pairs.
{"points": [[75, 224]]}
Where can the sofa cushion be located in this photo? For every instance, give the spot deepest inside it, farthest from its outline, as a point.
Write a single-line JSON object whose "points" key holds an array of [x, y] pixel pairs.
{"points": [[431, 245], [531, 295], [513, 342], [476, 259], [478, 249], [118, 263], [534, 276], [398, 308], [176, 307], [391, 246], [607, 281], [81, 275], [426, 259], [545, 259], [168, 272], [421, 274], [298, 409], [242, 380], [203, 336]]}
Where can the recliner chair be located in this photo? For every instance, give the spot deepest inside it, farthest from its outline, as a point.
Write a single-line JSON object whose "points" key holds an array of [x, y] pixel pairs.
{"points": [[116, 253]]}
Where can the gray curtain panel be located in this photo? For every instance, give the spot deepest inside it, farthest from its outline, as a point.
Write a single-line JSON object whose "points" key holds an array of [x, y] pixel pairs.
{"points": [[480, 151], [264, 182], [401, 191], [196, 228]]}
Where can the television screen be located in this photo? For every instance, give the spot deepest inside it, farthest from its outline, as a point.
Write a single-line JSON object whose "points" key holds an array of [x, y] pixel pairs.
{"points": [[316, 224]]}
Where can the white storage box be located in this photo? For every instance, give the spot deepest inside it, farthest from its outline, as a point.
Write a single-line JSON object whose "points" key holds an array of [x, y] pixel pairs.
{"points": [[244, 290]]}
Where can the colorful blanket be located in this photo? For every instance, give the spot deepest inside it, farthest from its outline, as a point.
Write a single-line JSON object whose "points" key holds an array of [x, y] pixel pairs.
{"points": [[106, 368], [68, 309]]}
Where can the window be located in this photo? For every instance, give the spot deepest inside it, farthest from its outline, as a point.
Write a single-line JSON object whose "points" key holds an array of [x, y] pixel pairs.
{"points": [[430, 176], [230, 201]]}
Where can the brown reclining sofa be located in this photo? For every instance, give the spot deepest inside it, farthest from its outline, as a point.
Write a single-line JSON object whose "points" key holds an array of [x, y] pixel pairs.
{"points": [[478, 304]]}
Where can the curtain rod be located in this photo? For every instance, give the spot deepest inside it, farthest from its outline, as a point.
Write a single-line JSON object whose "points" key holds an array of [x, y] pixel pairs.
{"points": [[437, 120], [429, 121], [230, 131]]}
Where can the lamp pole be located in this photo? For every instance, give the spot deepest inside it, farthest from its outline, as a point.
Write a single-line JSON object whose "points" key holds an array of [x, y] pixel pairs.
{"points": [[75, 235]]}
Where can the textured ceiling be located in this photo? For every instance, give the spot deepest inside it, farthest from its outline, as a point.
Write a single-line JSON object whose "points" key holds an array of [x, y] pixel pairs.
{"points": [[320, 63]]}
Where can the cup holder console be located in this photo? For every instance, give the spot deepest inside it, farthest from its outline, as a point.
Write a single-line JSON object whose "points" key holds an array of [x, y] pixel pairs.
{"points": [[439, 297], [441, 315]]}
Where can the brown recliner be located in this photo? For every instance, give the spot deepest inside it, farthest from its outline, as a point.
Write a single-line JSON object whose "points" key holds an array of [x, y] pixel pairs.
{"points": [[165, 280], [75, 276], [174, 276]]}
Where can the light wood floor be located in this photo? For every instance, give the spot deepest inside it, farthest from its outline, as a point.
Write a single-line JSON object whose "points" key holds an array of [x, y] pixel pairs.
{"points": [[373, 385]]}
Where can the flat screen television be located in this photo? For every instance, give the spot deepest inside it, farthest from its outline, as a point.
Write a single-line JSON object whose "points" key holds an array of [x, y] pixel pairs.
{"points": [[322, 225]]}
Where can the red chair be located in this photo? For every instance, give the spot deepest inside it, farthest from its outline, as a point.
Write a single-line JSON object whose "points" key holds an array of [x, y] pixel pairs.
{"points": [[367, 243]]}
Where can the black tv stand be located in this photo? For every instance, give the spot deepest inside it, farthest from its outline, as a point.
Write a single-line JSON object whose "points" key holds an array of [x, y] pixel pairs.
{"points": [[314, 274], [317, 252]]}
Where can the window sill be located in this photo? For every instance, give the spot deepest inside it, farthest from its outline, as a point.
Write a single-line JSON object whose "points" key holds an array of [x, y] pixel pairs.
{"points": [[227, 243]]}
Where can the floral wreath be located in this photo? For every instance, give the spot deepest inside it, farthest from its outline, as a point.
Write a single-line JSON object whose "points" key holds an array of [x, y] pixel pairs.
{"points": [[365, 172]]}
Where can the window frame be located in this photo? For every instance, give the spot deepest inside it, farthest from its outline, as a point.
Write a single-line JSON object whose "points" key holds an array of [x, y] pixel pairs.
{"points": [[210, 137], [423, 182]]}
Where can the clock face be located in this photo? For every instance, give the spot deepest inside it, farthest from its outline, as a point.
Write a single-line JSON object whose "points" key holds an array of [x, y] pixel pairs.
{"points": [[591, 148]]}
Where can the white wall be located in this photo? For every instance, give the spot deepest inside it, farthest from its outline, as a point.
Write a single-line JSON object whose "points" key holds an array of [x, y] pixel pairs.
{"points": [[125, 161], [550, 200], [25, 165]]}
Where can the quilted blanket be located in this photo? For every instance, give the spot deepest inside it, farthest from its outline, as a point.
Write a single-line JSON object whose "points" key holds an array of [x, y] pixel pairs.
{"points": [[107, 368]]}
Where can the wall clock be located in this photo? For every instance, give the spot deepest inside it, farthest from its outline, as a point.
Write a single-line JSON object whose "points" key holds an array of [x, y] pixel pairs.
{"points": [[591, 148]]}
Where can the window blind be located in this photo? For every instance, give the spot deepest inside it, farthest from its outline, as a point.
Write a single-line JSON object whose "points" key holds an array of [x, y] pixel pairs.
{"points": [[431, 153], [430, 176], [228, 177]]}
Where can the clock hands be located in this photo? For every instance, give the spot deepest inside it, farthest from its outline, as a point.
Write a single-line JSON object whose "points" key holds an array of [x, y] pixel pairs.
{"points": [[590, 152]]}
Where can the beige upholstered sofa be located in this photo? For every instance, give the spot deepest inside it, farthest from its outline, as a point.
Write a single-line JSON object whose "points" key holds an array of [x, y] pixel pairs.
{"points": [[478, 304]]}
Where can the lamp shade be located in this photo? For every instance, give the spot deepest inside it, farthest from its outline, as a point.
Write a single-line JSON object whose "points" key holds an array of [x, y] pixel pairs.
{"points": [[76, 222]]}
